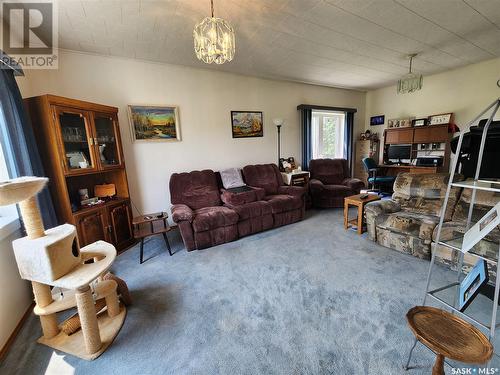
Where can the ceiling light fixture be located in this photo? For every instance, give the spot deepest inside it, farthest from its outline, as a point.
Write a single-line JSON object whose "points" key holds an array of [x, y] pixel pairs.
{"points": [[410, 82], [214, 40]]}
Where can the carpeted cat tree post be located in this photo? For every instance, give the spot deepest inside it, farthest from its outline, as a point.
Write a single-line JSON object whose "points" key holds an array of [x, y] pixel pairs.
{"points": [[53, 258]]}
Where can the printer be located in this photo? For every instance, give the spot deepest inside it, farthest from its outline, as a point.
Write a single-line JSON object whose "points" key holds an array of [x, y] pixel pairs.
{"points": [[430, 161]]}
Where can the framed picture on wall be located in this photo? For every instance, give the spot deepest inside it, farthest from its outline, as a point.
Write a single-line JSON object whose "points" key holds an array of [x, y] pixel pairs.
{"points": [[154, 123], [247, 124], [443, 118], [419, 122], [377, 120]]}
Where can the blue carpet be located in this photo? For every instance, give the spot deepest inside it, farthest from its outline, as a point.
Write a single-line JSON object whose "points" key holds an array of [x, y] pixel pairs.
{"points": [[308, 298]]}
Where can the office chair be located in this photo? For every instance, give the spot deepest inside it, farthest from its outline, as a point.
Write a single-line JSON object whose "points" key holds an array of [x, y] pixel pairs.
{"points": [[374, 177]]}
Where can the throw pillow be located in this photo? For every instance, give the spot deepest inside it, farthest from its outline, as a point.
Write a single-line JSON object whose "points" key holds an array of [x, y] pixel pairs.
{"points": [[231, 178]]}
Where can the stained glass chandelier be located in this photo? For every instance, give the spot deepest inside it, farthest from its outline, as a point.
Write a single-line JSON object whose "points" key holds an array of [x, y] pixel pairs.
{"points": [[214, 40], [410, 82]]}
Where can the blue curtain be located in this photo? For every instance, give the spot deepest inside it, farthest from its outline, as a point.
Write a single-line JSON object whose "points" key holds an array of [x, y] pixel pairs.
{"points": [[349, 125], [306, 118], [18, 141]]}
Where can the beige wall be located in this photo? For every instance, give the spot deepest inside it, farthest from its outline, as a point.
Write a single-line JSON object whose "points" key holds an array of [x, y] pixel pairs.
{"points": [[15, 293], [205, 99], [465, 92]]}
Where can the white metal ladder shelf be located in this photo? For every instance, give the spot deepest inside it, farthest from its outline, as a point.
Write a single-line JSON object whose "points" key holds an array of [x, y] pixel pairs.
{"points": [[476, 184]]}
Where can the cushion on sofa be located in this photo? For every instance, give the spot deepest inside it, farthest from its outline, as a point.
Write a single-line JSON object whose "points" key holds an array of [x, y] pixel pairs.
{"points": [[195, 189], [454, 229], [253, 209], [282, 203], [487, 247], [483, 202], [213, 217], [402, 242], [266, 176], [408, 223], [424, 193], [338, 190], [329, 171]]}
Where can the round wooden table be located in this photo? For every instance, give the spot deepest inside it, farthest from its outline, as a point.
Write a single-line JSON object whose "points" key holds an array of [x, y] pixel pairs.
{"points": [[448, 336]]}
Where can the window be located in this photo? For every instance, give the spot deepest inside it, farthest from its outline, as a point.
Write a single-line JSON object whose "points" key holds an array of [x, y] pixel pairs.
{"points": [[327, 133], [8, 214]]}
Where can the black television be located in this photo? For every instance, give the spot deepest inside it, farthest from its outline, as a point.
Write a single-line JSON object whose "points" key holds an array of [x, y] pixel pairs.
{"points": [[399, 152]]}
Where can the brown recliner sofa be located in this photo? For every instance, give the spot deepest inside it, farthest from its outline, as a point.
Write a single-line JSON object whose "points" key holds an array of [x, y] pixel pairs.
{"points": [[330, 183], [197, 209], [287, 202], [254, 214], [208, 215]]}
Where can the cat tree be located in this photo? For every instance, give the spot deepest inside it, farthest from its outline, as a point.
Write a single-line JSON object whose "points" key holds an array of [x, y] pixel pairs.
{"points": [[52, 258]]}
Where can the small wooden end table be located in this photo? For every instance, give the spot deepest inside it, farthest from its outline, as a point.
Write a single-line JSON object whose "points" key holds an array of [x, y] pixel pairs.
{"points": [[355, 200], [295, 178], [448, 336], [150, 225]]}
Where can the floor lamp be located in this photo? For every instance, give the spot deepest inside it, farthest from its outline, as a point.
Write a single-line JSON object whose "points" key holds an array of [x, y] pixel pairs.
{"points": [[279, 122]]}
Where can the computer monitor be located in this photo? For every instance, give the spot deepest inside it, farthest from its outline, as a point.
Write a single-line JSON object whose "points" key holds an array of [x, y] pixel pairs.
{"points": [[399, 152]]}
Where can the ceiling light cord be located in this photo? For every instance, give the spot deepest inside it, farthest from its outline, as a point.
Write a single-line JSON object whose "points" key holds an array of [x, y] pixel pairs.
{"points": [[212, 6], [411, 56]]}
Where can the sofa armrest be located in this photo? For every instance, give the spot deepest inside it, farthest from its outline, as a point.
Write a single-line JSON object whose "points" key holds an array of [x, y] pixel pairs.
{"points": [[386, 206], [354, 184], [182, 212], [374, 209], [316, 185], [296, 191]]}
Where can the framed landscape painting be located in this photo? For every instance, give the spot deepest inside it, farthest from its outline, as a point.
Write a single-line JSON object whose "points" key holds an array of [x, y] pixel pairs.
{"points": [[154, 123], [247, 124]]}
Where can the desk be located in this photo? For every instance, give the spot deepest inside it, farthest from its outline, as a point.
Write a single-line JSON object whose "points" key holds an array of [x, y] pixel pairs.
{"points": [[394, 170]]}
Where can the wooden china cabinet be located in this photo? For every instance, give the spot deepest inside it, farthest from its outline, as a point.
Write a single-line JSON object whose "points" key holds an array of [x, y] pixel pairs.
{"points": [[80, 146]]}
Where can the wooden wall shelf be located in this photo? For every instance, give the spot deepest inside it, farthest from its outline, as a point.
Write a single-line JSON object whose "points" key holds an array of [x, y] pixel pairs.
{"points": [[80, 147]]}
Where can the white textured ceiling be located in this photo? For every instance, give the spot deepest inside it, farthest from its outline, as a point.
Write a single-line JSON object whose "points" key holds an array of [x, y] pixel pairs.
{"points": [[359, 44]]}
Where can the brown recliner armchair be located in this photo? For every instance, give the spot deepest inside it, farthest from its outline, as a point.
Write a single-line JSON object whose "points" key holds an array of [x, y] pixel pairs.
{"points": [[330, 183], [197, 209], [287, 202]]}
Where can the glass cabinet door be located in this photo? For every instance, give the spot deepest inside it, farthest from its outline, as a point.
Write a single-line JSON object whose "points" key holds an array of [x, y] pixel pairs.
{"points": [[76, 138], [107, 140]]}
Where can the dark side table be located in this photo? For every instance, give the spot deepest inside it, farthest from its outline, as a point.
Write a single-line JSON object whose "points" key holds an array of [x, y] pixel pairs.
{"points": [[151, 225]]}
